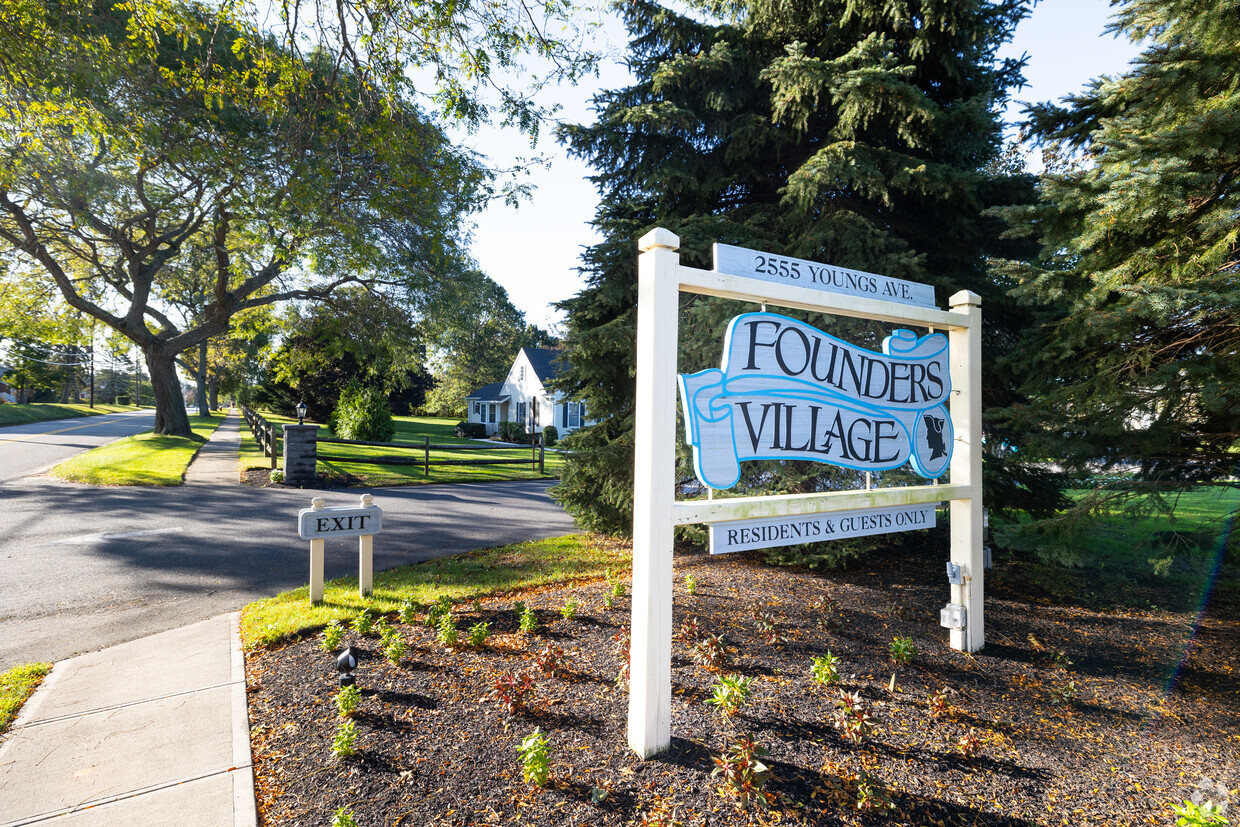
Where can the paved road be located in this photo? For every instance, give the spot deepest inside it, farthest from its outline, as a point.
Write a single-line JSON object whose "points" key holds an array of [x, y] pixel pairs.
{"points": [[37, 446], [84, 568]]}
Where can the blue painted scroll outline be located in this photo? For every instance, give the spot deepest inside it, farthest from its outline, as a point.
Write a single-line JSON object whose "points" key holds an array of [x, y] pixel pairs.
{"points": [[706, 398]]}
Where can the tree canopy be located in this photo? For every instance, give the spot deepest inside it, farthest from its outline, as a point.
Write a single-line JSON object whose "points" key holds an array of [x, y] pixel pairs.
{"points": [[163, 152], [1137, 287], [864, 134]]}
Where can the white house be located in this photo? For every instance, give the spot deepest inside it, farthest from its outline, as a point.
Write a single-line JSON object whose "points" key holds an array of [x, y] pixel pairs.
{"points": [[524, 396]]}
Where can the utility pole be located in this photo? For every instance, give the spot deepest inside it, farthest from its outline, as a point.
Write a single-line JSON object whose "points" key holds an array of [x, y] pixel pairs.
{"points": [[91, 352]]}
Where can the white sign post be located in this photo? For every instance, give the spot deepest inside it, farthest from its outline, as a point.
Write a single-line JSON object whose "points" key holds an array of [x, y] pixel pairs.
{"points": [[923, 408], [317, 523]]}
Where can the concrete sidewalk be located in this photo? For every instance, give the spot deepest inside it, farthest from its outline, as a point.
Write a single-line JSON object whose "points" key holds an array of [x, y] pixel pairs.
{"points": [[216, 463], [154, 731]]}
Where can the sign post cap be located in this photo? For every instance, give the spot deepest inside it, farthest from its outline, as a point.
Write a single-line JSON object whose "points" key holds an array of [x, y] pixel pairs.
{"points": [[318, 503], [658, 237], [368, 499], [966, 298]]}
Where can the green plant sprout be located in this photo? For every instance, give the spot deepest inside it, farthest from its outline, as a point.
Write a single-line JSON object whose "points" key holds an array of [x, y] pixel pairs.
{"points": [[478, 634], [730, 694], [344, 744], [569, 611], [902, 650], [535, 768], [824, 669], [333, 634], [529, 621], [347, 700], [690, 584]]}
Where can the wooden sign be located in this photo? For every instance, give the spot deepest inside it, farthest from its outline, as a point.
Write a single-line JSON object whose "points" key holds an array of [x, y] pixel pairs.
{"points": [[743, 535], [339, 521], [753, 264], [787, 390]]}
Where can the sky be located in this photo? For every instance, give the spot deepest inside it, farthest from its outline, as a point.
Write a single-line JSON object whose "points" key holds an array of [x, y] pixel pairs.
{"points": [[533, 250]]}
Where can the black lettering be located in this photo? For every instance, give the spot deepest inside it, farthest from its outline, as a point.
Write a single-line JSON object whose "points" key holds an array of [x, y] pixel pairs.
{"points": [[754, 344], [813, 360], [933, 377], [917, 376], [779, 351], [897, 379], [754, 436], [854, 371], [338, 523], [320, 524], [879, 436], [836, 431], [731, 536], [869, 379], [809, 438], [775, 442], [864, 456]]}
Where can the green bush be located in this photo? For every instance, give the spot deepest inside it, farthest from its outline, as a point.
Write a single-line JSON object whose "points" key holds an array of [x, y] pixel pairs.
{"points": [[513, 432], [471, 430], [363, 413], [550, 435]]}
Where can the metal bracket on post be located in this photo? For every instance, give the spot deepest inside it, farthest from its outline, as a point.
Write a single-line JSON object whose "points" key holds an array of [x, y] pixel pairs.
{"points": [[955, 574], [953, 616]]}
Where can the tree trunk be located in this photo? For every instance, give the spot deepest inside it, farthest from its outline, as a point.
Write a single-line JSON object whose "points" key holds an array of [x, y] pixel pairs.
{"points": [[204, 405], [214, 391], [170, 416]]}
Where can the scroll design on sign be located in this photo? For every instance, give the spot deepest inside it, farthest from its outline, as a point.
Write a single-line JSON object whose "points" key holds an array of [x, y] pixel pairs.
{"points": [[787, 390]]}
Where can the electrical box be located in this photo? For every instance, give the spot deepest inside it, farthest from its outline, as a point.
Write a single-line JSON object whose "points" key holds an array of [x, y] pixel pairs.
{"points": [[985, 525], [988, 561], [955, 573], [952, 616]]}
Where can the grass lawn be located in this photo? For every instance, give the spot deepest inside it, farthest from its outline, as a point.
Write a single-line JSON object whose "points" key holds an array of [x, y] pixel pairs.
{"points": [[411, 429], [1146, 560], [16, 685], [144, 459], [42, 412], [560, 560]]}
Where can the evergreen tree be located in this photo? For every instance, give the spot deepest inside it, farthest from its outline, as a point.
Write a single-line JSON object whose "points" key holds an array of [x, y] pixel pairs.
{"points": [[856, 133], [1137, 289]]}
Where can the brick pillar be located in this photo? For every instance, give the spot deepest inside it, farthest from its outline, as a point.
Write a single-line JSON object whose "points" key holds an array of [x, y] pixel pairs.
{"points": [[300, 452]]}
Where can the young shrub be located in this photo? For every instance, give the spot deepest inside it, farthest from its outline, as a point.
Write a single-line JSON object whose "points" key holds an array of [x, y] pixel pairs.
{"points": [[344, 744], [872, 794], [1063, 693], [447, 634], [690, 584], [852, 717], [332, 636], [382, 629], [615, 584], [742, 771], [344, 818], [939, 705], [824, 669], [436, 612], [551, 660], [968, 744], [690, 631], [478, 634], [512, 690], [364, 623], [730, 694], [535, 768], [276, 475], [518, 608], [569, 610], [408, 612], [551, 435], [529, 621], [764, 622], [347, 700], [1192, 814], [363, 413], [902, 650], [710, 653], [609, 600], [394, 648]]}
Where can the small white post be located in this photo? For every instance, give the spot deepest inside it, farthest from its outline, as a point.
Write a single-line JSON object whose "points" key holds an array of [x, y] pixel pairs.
{"points": [[966, 469], [366, 554], [316, 558], [650, 659]]}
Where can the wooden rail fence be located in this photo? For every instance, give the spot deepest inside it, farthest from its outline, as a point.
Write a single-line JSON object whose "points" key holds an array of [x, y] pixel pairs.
{"points": [[537, 460], [264, 433]]}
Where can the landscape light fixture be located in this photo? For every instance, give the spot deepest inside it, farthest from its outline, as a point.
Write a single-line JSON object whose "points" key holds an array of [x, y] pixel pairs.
{"points": [[301, 412], [345, 664]]}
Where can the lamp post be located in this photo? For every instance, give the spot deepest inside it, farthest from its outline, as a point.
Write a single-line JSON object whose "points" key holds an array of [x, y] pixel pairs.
{"points": [[301, 412]]}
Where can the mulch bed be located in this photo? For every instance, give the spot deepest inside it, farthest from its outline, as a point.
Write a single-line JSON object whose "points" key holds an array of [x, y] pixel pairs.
{"points": [[261, 478], [1069, 715]]}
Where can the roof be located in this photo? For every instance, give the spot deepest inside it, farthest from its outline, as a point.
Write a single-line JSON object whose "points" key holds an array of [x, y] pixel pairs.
{"points": [[489, 393], [546, 362]]}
